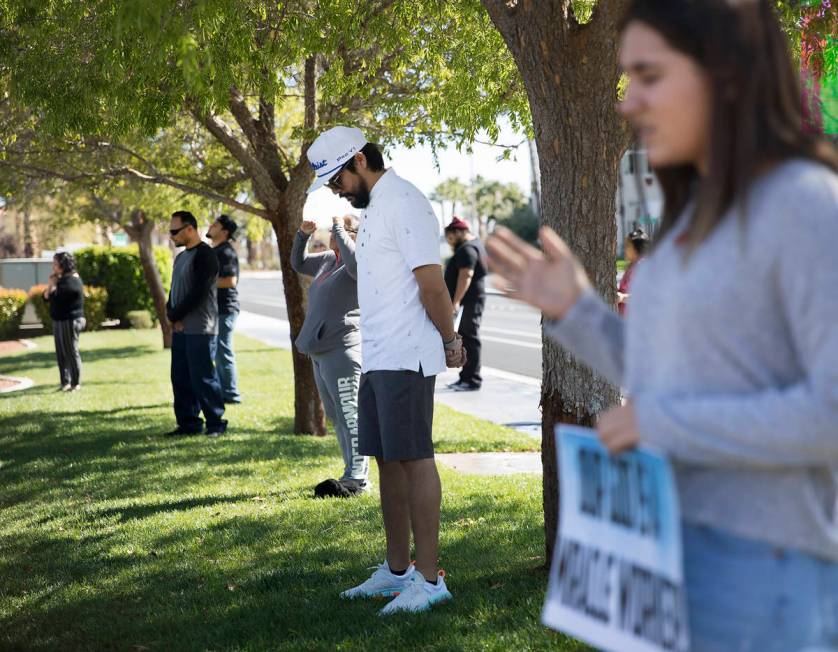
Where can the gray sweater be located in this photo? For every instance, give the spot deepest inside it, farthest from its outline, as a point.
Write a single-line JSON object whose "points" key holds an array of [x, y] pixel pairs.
{"points": [[731, 360], [333, 317]]}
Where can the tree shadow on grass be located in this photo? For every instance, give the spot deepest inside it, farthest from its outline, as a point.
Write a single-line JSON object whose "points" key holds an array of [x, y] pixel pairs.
{"points": [[41, 359], [187, 590], [123, 451]]}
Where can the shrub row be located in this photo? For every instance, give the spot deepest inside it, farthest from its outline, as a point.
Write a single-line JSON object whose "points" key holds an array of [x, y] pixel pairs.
{"points": [[116, 289], [12, 303], [118, 269]]}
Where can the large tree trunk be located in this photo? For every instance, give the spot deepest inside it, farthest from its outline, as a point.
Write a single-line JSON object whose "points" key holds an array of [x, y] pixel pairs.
{"points": [[570, 72], [308, 410], [140, 231]]}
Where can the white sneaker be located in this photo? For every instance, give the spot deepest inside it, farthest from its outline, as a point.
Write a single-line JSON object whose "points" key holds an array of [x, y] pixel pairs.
{"points": [[381, 584], [419, 595]]}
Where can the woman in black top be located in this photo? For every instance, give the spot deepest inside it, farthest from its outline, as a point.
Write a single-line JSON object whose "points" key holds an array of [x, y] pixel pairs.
{"points": [[66, 307]]}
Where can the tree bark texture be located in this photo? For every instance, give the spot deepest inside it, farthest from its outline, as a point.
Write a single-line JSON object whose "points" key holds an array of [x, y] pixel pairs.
{"points": [[570, 71], [308, 410], [140, 230]]}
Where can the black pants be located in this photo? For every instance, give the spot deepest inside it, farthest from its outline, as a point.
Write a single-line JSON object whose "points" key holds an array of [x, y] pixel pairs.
{"points": [[66, 334], [470, 332], [195, 384]]}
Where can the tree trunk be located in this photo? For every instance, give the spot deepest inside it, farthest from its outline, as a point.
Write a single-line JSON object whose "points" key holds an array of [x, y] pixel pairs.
{"points": [[251, 253], [308, 410], [570, 72], [140, 231]]}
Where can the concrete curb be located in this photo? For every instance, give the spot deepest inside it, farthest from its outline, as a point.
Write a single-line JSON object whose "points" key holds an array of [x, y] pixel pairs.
{"points": [[22, 383]]}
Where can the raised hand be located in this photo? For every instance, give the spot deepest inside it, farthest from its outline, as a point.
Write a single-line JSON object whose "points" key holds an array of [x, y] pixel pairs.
{"points": [[308, 227], [551, 280]]}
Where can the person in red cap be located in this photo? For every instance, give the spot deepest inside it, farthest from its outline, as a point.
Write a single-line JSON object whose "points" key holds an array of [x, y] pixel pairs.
{"points": [[464, 277]]}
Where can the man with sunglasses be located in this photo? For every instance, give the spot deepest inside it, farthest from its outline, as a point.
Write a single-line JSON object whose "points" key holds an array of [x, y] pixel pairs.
{"points": [[193, 310], [408, 337]]}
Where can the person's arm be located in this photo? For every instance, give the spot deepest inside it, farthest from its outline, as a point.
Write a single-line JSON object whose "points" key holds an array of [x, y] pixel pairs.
{"points": [[435, 299], [464, 277], [555, 282], [228, 269], [52, 283], [346, 246], [416, 233], [205, 273], [301, 261], [594, 333], [466, 260], [437, 302]]}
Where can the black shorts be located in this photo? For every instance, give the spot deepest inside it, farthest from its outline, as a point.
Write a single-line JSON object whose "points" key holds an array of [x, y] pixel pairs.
{"points": [[396, 415]]}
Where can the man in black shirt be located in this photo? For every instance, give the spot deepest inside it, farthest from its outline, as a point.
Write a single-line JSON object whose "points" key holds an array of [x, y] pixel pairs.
{"points": [[464, 276], [221, 232], [193, 311]]}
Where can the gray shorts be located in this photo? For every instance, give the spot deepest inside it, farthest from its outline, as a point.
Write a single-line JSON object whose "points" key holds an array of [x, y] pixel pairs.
{"points": [[396, 415]]}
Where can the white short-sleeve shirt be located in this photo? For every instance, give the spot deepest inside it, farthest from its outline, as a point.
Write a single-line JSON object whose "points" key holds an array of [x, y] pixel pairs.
{"points": [[398, 233]]}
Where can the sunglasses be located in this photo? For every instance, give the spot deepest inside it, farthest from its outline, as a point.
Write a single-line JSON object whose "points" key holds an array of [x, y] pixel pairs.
{"points": [[335, 182], [174, 232]]}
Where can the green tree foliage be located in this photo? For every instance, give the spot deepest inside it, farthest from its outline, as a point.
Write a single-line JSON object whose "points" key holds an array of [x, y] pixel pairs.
{"points": [[451, 190]]}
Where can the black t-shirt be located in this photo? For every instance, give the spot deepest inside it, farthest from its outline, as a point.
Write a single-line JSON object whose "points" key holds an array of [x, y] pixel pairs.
{"points": [[67, 302], [228, 265], [469, 255]]}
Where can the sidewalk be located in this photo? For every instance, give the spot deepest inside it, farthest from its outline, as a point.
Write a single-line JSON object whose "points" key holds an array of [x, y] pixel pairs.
{"points": [[505, 398]]}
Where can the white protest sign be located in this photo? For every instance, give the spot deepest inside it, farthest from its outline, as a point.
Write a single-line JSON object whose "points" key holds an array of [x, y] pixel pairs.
{"points": [[617, 575]]}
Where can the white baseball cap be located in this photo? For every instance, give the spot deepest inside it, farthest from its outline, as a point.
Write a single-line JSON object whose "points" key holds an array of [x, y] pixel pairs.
{"points": [[331, 150]]}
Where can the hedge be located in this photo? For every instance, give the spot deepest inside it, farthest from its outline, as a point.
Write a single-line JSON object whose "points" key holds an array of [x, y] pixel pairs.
{"points": [[12, 303], [95, 301], [118, 269]]}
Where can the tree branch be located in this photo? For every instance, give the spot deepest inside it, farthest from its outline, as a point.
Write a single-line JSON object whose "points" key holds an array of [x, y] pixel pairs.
{"points": [[263, 185], [125, 171]]}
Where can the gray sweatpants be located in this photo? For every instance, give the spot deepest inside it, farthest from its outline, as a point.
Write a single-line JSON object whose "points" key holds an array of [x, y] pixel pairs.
{"points": [[337, 374]]}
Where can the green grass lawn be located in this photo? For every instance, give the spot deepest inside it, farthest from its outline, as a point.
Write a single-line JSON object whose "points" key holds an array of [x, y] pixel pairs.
{"points": [[113, 537]]}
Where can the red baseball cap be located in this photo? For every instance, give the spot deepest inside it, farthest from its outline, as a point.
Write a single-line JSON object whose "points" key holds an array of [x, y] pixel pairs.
{"points": [[457, 225]]}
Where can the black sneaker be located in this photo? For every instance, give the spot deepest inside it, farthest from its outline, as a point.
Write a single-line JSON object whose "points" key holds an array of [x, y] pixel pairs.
{"points": [[460, 386], [331, 488], [215, 431], [177, 432]]}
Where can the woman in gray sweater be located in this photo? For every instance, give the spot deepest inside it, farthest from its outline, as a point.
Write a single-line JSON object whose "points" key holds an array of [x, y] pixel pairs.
{"points": [[740, 298], [331, 337]]}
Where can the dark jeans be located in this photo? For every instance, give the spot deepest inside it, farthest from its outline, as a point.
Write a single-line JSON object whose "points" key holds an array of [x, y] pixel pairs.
{"points": [[470, 332], [195, 384], [225, 359]]}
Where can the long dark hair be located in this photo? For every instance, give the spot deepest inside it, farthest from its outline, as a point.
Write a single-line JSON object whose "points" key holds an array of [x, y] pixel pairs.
{"points": [[757, 118], [66, 261]]}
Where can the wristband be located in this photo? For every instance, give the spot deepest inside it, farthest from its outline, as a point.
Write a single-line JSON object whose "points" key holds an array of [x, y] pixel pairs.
{"points": [[451, 344]]}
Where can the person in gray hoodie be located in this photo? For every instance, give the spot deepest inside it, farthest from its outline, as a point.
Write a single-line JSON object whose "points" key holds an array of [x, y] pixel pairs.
{"points": [[331, 337]]}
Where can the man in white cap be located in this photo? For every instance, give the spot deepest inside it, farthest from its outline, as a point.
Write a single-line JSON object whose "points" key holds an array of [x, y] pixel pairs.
{"points": [[407, 337]]}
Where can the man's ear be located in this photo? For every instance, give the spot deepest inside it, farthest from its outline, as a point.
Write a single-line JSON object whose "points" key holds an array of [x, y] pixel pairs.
{"points": [[360, 160]]}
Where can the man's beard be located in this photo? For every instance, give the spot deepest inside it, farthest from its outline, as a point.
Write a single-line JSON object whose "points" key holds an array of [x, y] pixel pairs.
{"points": [[361, 197]]}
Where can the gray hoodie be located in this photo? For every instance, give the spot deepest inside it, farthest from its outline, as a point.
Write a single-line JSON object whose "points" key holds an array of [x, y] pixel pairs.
{"points": [[333, 317], [731, 360]]}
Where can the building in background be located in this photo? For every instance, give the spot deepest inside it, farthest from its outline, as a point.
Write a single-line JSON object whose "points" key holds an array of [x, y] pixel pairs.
{"points": [[639, 197]]}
